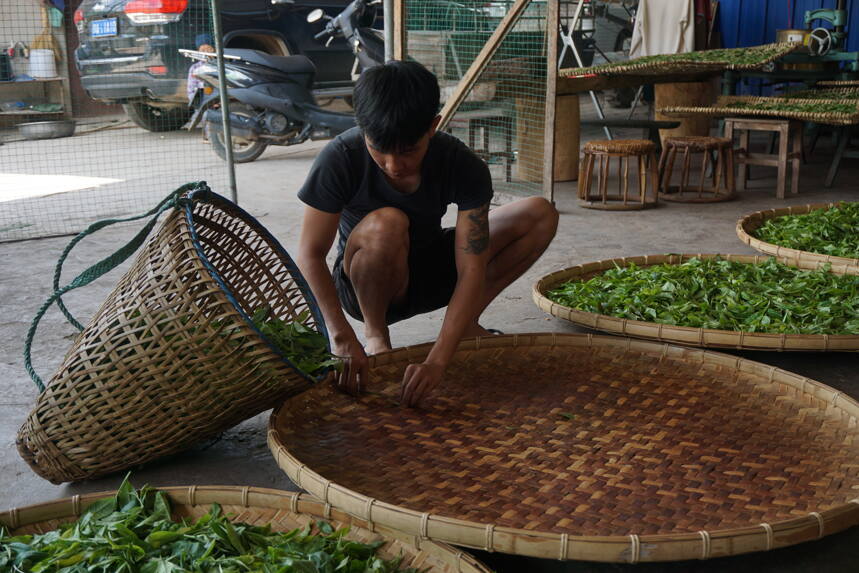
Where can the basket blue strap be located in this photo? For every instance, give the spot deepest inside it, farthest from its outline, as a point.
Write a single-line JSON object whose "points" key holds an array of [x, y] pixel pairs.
{"points": [[173, 200]]}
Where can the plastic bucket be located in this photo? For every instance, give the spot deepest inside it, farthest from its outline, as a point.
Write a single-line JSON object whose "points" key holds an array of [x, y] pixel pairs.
{"points": [[42, 64]]}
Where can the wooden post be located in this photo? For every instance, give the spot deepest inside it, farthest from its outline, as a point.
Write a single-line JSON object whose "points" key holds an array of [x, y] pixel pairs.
{"points": [[694, 94], [567, 138], [400, 30], [550, 129]]}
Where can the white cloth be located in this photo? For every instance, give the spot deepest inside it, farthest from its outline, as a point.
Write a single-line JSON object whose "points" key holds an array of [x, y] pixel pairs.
{"points": [[663, 27]]}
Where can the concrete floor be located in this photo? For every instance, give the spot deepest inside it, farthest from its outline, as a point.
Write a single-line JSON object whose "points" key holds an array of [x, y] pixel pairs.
{"points": [[267, 189]]}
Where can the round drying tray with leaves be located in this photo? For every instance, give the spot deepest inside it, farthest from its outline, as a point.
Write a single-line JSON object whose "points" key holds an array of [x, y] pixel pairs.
{"points": [[663, 324], [574, 446], [284, 511], [800, 229]]}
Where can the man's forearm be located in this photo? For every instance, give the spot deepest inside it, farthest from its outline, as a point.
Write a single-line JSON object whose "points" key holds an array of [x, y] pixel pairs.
{"points": [[460, 313], [318, 276]]}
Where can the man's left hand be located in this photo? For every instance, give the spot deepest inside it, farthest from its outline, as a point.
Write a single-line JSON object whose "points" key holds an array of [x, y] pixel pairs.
{"points": [[418, 381]]}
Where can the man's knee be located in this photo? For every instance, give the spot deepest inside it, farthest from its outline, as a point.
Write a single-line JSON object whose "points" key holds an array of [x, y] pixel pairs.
{"points": [[540, 216], [382, 238], [384, 226]]}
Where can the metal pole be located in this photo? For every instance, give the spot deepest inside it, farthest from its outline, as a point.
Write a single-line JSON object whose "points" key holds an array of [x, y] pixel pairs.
{"points": [[225, 103], [388, 12], [576, 17]]}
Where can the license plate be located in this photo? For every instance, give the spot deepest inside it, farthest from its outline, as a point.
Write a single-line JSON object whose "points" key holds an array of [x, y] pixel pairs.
{"points": [[103, 28]]}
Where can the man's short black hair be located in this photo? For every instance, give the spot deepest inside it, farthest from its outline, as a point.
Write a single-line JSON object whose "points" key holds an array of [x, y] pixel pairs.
{"points": [[395, 104]]}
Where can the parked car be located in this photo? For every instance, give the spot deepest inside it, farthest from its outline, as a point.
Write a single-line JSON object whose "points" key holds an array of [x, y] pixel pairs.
{"points": [[129, 49]]}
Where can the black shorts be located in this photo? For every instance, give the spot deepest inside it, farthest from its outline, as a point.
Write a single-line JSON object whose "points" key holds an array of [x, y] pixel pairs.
{"points": [[432, 279]]}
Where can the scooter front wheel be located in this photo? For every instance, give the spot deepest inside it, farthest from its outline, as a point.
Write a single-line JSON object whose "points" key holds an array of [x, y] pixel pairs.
{"points": [[244, 150]]}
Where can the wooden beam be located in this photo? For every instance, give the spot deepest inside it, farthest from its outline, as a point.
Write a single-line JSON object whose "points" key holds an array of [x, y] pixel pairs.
{"points": [[482, 60], [552, 30], [400, 30]]}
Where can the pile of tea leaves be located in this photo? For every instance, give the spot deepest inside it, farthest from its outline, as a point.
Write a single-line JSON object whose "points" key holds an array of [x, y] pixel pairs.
{"points": [[305, 347], [722, 295], [833, 232], [133, 532]]}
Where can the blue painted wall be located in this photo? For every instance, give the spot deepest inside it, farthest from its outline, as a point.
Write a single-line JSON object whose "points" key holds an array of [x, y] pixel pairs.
{"points": [[754, 22]]}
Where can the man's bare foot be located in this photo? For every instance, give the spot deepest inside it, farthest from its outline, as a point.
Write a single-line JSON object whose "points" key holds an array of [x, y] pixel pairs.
{"points": [[376, 344], [476, 330]]}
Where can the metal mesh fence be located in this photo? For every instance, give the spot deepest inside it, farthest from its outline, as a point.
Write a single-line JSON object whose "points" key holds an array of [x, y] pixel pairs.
{"points": [[502, 116], [93, 98]]}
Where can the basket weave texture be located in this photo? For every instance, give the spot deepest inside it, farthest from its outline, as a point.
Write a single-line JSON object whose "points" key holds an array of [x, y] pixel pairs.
{"points": [[257, 506], [722, 109], [702, 337], [717, 61], [747, 226], [838, 83], [583, 447], [172, 356]]}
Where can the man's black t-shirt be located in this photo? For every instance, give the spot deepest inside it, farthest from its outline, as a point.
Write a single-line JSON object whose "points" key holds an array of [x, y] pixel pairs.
{"points": [[344, 179]]}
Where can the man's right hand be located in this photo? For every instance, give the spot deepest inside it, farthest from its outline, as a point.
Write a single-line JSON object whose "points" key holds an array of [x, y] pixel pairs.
{"points": [[353, 376]]}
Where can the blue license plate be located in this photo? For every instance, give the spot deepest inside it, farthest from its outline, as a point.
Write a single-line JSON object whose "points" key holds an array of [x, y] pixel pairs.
{"points": [[103, 28]]}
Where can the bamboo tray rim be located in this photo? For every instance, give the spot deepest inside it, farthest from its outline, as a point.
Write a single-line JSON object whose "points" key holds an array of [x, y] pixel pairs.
{"points": [[681, 65], [747, 225], [249, 497], [720, 108], [687, 335], [635, 548]]}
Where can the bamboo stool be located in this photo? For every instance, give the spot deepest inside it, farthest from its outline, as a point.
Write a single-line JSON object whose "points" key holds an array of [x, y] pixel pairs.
{"points": [[786, 129], [639, 150], [722, 188]]}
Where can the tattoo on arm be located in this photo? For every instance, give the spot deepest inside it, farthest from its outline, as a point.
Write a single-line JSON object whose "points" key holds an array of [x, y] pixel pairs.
{"points": [[478, 232]]}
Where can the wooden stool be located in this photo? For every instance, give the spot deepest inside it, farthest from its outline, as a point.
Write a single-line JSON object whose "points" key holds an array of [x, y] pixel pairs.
{"points": [[722, 187], [640, 150], [785, 128]]}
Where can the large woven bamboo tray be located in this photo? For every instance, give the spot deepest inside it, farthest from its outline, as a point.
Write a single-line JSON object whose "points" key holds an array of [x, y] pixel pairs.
{"points": [[838, 83], [258, 506], [574, 446], [747, 226], [722, 108], [703, 337]]}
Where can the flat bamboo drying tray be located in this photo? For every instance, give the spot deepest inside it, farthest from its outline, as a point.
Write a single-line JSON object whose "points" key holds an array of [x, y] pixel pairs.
{"points": [[834, 93], [722, 108], [691, 63], [838, 83], [747, 226], [258, 506], [703, 337], [573, 446]]}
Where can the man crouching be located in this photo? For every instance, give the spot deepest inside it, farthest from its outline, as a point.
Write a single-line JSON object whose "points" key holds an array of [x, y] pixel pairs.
{"points": [[386, 185]]}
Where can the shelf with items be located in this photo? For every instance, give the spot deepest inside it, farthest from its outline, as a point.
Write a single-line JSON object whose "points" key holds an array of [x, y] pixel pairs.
{"points": [[38, 91]]}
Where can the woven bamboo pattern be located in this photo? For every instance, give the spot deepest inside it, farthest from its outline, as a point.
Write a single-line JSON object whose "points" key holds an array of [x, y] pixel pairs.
{"points": [[722, 108], [701, 337], [621, 146], [284, 510], [574, 446], [172, 356], [747, 226], [691, 63], [834, 93], [838, 83]]}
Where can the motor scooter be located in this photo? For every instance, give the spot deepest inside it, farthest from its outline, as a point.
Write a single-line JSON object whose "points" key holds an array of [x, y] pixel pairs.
{"points": [[271, 97]]}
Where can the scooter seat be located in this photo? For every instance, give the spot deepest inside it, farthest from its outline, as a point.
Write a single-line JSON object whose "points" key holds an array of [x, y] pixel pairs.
{"points": [[286, 64]]}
